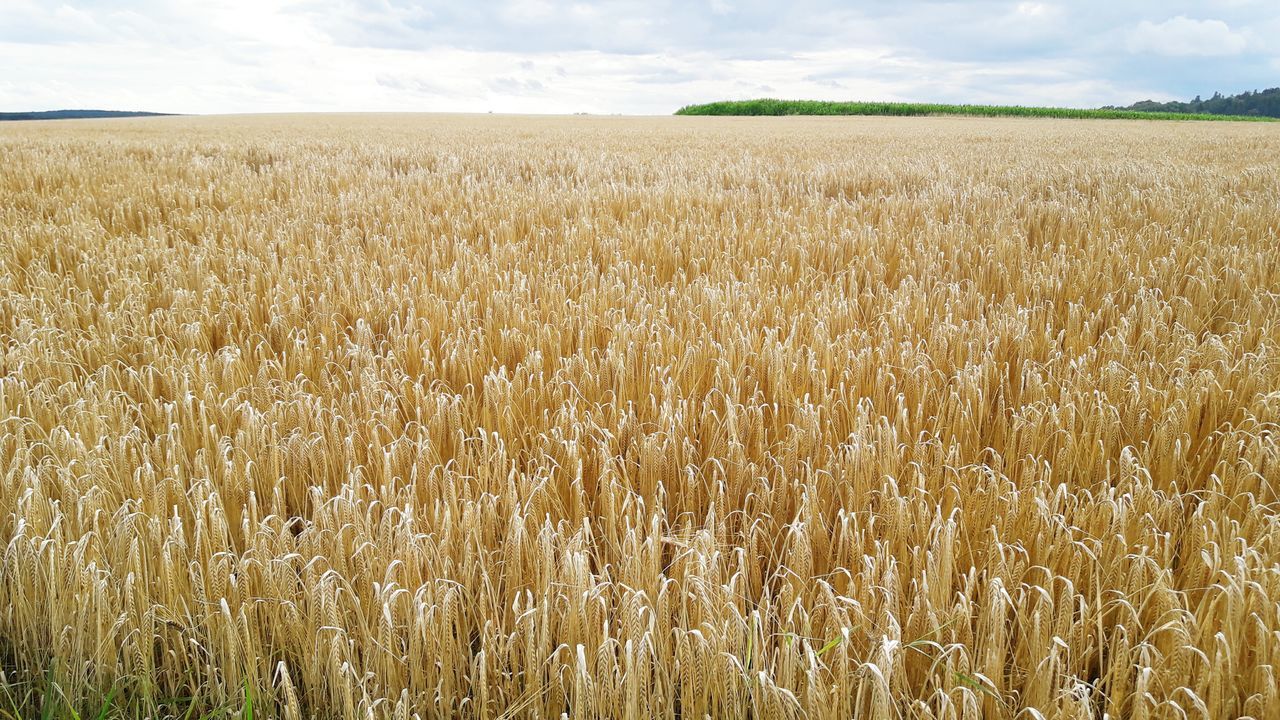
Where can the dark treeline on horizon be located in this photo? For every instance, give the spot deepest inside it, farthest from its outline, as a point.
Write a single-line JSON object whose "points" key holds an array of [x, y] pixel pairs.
{"points": [[1265, 103], [1257, 103], [74, 114]]}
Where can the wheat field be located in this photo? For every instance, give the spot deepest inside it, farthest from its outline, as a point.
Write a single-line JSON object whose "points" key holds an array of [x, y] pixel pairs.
{"points": [[482, 417]]}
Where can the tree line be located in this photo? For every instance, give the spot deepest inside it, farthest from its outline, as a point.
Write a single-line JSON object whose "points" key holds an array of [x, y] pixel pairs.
{"points": [[1264, 103]]}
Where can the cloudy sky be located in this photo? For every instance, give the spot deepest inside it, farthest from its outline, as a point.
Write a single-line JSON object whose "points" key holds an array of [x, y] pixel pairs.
{"points": [[621, 56]]}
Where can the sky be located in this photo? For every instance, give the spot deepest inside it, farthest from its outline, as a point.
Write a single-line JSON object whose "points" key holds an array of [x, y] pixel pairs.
{"points": [[621, 56]]}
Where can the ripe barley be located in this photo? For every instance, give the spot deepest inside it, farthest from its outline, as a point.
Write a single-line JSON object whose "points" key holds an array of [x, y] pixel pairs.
{"points": [[534, 417]]}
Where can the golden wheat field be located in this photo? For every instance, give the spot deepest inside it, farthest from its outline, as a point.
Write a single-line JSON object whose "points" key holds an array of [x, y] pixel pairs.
{"points": [[481, 417]]}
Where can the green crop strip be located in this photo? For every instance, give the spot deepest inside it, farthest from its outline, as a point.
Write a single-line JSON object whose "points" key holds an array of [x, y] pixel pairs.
{"points": [[817, 107]]}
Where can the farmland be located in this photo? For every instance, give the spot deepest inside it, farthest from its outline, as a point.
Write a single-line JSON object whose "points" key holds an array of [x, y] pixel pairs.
{"points": [[445, 416]]}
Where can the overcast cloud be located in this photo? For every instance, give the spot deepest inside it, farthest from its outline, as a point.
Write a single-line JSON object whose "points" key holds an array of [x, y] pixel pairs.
{"points": [[621, 56]]}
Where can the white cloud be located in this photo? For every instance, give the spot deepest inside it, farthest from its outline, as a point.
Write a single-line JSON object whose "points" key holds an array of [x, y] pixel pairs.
{"points": [[721, 7], [1183, 37], [1036, 9], [627, 56]]}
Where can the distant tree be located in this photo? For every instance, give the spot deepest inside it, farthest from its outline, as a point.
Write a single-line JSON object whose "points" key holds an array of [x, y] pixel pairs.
{"points": [[1255, 102], [73, 114]]}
